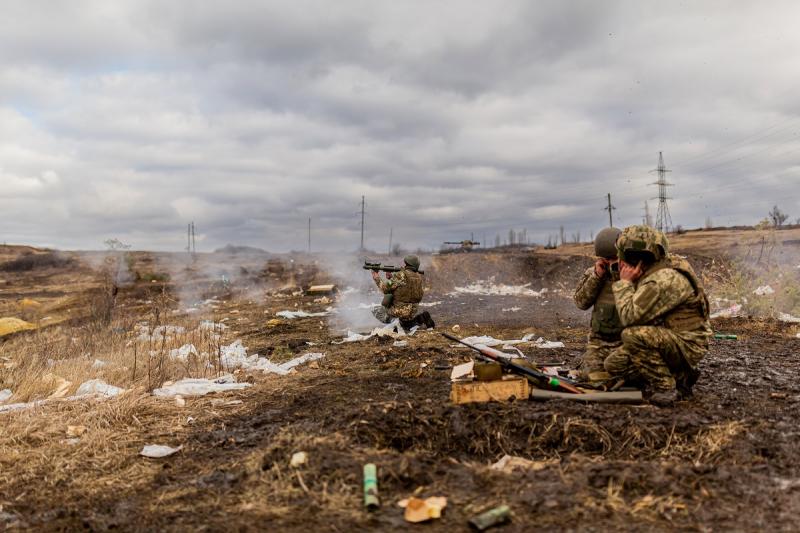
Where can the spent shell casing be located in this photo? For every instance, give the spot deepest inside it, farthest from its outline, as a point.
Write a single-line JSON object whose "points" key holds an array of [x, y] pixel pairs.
{"points": [[371, 501], [492, 517]]}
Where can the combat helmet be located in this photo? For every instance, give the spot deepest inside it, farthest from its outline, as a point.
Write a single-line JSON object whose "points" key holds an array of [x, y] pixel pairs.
{"points": [[605, 244], [642, 242], [412, 261]]}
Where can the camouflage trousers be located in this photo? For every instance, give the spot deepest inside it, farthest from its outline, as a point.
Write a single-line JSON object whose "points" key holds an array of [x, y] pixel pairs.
{"points": [[654, 355], [597, 350], [387, 314]]}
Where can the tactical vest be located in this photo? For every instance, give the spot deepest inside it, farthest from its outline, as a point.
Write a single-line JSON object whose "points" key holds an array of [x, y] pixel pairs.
{"points": [[605, 317], [694, 312], [411, 292]]}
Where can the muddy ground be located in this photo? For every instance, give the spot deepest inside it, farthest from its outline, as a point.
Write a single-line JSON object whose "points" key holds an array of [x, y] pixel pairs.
{"points": [[724, 460]]}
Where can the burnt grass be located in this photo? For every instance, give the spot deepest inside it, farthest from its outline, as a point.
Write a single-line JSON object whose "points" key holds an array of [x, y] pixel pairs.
{"points": [[723, 460]]}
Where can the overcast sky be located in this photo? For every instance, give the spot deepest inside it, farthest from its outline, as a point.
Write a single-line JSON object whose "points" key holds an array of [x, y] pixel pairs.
{"points": [[128, 119]]}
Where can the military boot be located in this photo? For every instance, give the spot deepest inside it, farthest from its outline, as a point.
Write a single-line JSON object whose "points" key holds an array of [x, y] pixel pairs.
{"points": [[426, 318], [686, 381], [664, 398]]}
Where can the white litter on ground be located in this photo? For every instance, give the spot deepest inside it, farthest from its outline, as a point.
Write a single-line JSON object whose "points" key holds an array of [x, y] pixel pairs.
{"points": [[786, 317], [158, 333], [729, 312], [512, 309], [400, 344], [183, 353], [486, 340], [429, 304], [156, 451], [764, 290], [490, 288], [5, 394], [97, 386], [392, 329], [210, 325], [200, 387], [98, 363], [298, 314]]}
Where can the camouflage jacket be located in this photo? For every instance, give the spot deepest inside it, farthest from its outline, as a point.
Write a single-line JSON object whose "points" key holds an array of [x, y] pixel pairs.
{"points": [[597, 293], [653, 297], [403, 311]]}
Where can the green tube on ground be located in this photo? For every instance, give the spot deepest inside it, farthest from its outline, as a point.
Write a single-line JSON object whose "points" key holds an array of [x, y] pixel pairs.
{"points": [[725, 336], [371, 501], [493, 517]]}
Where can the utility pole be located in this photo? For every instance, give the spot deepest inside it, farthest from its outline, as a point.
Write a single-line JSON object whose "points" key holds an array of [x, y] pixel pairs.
{"points": [[194, 245], [610, 208], [362, 223], [663, 219], [390, 240], [189, 239], [309, 234], [647, 220]]}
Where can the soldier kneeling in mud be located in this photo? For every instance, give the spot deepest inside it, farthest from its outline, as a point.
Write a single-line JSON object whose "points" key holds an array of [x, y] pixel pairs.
{"points": [[402, 293], [664, 310], [595, 291]]}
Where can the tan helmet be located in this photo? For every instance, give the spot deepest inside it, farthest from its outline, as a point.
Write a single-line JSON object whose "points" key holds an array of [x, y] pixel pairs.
{"points": [[605, 244], [641, 241]]}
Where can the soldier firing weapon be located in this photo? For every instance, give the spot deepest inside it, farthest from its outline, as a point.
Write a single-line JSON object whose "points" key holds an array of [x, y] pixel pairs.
{"points": [[379, 267]]}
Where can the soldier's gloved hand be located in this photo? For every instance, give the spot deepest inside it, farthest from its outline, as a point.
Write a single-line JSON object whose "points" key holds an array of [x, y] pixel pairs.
{"points": [[600, 267], [629, 272], [388, 275], [375, 275]]}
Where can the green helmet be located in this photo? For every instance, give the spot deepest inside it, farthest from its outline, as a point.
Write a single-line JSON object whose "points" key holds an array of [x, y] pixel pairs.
{"points": [[412, 261], [643, 243], [605, 244]]}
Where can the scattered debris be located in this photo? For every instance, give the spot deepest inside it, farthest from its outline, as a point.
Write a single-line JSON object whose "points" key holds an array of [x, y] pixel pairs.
{"points": [[290, 315], [158, 333], [764, 290], [418, 510], [430, 304], [371, 501], [210, 325], [512, 309], [322, 289], [729, 312], [298, 459], [199, 386], [98, 386], [493, 517], [400, 344], [156, 451], [390, 330], [456, 328], [489, 288], [462, 371], [273, 322], [60, 384], [99, 363], [5, 394], [786, 317], [725, 336], [75, 431], [9, 325], [489, 341], [183, 353], [508, 463], [179, 401]]}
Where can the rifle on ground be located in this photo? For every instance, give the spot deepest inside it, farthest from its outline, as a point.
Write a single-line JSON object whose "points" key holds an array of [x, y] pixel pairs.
{"points": [[378, 267], [540, 378]]}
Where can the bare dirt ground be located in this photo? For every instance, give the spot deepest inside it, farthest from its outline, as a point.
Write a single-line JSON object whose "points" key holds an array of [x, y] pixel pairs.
{"points": [[724, 460]]}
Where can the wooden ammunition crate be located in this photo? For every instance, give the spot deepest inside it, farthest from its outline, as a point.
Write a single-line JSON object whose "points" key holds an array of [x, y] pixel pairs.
{"points": [[490, 391]]}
